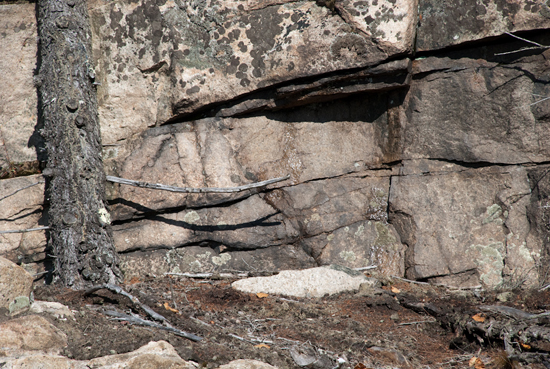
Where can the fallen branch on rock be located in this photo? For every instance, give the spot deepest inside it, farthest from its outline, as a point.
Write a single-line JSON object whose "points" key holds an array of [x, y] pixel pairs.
{"points": [[158, 186]]}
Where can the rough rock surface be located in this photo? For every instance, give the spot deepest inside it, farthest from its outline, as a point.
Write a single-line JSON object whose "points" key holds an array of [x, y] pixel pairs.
{"points": [[15, 283], [414, 132], [314, 282], [31, 333]]}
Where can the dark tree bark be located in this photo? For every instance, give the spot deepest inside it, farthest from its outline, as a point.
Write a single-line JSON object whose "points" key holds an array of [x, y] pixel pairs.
{"points": [[80, 235]]}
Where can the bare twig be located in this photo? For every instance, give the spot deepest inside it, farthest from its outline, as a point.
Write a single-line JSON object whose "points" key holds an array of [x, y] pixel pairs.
{"points": [[25, 230], [116, 289], [419, 322], [537, 47], [138, 320], [411, 281], [158, 186], [366, 268], [21, 189], [210, 275], [439, 284]]}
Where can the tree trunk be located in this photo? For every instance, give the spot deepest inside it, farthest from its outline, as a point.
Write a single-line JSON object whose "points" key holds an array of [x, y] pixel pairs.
{"points": [[80, 236]]}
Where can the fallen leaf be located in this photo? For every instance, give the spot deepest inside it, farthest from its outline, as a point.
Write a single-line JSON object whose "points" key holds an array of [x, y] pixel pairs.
{"points": [[525, 346], [395, 289], [169, 308], [262, 345], [476, 363], [360, 366], [261, 295], [478, 318]]}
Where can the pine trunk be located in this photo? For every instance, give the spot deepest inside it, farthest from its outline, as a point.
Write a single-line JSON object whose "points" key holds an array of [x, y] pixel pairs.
{"points": [[80, 235]]}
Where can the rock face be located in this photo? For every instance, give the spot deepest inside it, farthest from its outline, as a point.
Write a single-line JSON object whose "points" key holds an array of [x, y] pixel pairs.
{"points": [[414, 132], [15, 283]]}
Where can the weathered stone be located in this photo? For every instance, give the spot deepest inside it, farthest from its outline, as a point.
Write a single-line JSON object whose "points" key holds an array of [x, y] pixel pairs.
{"points": [[248, 224], [444, 24], [159, 355], [176, 60], [55, 309], [30, 333], [14, 282], [314, 282], [18, 112], [246, 364], [363, 244], [455, 223], [196, 259], [471, 110], [21, 211], [311, 143]]}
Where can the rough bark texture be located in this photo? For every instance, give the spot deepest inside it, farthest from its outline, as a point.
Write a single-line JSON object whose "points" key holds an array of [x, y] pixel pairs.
{"points": [[79, 223]]}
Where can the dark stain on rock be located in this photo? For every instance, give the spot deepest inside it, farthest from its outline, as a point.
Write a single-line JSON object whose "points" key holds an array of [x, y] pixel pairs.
{"points": [[290, 66], [243, 67], [265, 26], [193, 90], [347, 44], [242, 47]]}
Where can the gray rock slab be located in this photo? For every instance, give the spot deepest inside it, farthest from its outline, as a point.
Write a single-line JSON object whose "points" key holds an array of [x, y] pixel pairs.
{"points": [[246, 364], [444, 24], [196, 259], [473, 220], [314, 282], [15, 282], [481, 112], [55, 309]]}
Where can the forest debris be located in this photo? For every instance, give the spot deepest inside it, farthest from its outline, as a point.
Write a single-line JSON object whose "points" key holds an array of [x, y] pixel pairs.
{"points": [[136, 319], [478, 318]]}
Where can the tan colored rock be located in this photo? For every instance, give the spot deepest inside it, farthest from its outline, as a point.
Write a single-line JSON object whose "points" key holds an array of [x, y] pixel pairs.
{"points": [[30, 333], [23, 210], [456, 223], [158, 355], [155, 63], [314, 282], [14, 282], [55, 309], [246, 364], [18, 112]]}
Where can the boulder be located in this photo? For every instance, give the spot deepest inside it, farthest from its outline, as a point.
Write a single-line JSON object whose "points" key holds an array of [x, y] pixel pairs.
{"points": [[313, 282], [30, 334], [15, 284]]}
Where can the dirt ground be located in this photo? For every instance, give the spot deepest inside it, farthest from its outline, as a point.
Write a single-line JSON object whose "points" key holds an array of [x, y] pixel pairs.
{"points": [[391, 327]]}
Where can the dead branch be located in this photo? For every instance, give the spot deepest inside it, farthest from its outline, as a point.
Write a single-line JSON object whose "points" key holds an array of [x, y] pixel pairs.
{"points": [[135, 319], [158, 186], [116, 289], [25, 230], [211, 275], [21, 189], [536, 47]]}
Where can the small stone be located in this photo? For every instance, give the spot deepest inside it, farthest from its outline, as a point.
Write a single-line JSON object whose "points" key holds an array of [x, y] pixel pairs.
{"points": [[395, 317], [505, 296]]}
